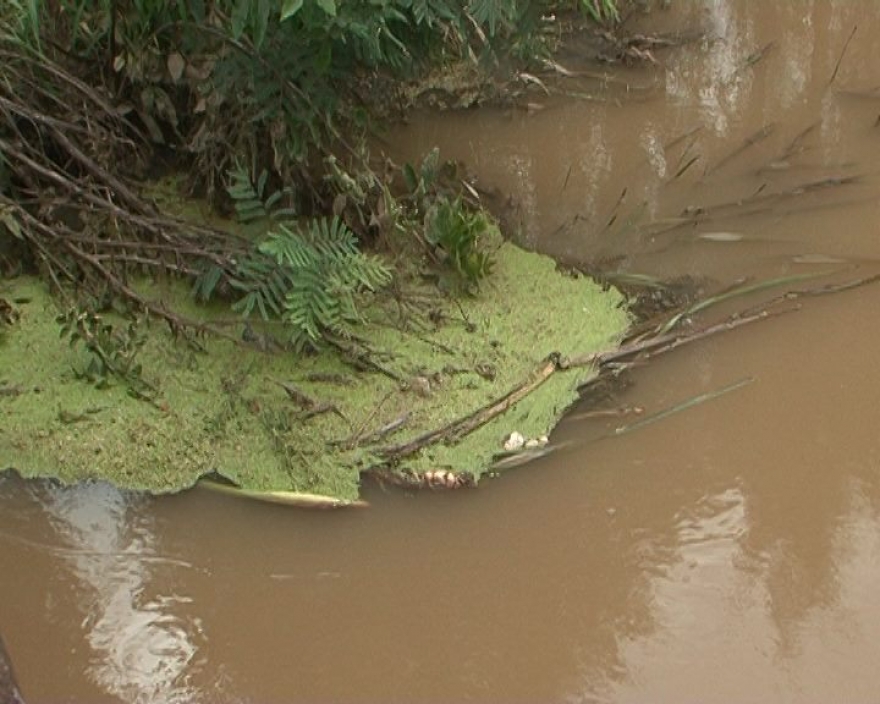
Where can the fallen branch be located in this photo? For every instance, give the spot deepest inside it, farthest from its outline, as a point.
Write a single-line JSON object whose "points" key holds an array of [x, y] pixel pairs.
{"points": [[665, 342], [662, 343], [459, 428], [627, 355]]}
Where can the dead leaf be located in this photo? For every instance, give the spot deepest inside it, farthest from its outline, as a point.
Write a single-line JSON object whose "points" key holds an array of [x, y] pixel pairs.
{"points": [[176, 65]]}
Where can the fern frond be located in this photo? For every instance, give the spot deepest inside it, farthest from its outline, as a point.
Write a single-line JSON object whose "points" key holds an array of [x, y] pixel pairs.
{"points": [[309, 278], [264, 284], [206, 282], [249, 197]]}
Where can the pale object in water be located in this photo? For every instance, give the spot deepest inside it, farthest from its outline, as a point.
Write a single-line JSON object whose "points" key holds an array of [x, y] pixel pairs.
{"points": [[721, 236], [514, 441]]}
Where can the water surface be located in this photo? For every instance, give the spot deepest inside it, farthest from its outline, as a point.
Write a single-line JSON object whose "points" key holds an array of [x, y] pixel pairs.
{"points": [[729, 552]]}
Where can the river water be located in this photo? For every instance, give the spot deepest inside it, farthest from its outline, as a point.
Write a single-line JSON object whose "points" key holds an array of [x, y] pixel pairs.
{"points": [[726, 552]]}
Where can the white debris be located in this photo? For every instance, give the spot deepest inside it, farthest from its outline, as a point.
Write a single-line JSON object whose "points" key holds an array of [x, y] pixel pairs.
{"points": [[514, 441]]}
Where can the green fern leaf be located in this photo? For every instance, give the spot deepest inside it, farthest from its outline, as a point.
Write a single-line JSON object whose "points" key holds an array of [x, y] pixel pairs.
{"points": [[206, 282], [310, 279]]}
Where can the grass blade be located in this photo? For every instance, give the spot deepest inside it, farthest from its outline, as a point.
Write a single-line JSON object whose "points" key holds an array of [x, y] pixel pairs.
{"points": [[683, 406]]}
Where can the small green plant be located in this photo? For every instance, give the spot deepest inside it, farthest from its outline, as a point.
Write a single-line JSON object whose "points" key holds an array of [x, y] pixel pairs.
{"points": [[109, 352], [601, 11], [20, 23], [432, 179], [253, 202], [310, 278], [455, 234], [251, 199]]}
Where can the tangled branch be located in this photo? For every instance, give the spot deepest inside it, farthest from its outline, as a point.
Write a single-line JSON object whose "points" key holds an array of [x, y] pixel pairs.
{"points": [[63, 147]]}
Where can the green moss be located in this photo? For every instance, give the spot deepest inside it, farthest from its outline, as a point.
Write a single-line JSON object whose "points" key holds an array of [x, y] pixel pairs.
{"points": [[225, 410]]}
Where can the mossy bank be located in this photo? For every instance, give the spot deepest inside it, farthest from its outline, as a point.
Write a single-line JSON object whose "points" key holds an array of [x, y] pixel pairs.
{"points": [[272, 420]]}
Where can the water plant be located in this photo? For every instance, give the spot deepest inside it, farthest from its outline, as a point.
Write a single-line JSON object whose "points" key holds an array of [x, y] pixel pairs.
{"points": [[111, 352], [456, 233]]}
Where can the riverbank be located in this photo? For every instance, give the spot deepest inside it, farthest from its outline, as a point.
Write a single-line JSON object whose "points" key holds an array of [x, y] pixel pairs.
{"points": [[270, 420]]}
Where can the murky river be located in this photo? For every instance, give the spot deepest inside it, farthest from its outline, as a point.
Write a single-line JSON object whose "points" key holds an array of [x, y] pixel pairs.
{"points": [[728, 552]]}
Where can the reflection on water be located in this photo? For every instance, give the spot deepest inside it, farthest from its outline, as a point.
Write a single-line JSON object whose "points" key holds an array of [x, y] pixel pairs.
{"points": [[712, 610], [751, 110], [141, 649], [728, 552]]}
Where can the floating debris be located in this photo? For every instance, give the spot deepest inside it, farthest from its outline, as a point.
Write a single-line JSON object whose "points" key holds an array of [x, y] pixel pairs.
{"points": [[442, 479], [721, 236], [514, 441]]}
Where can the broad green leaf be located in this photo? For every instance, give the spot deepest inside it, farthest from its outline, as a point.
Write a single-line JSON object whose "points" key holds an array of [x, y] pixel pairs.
{"points": [[409, 175], [261, 21], [328, 6], [290, 8], [240, 17]]}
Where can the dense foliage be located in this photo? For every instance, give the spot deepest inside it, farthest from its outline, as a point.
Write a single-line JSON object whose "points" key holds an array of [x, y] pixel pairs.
{"points": [[266, 105]]}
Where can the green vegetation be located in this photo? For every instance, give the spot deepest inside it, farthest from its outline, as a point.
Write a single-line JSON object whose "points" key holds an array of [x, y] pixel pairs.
{"points": [[304, 423], [309, 279], [457, 234], [109, 352], [336, 262]]}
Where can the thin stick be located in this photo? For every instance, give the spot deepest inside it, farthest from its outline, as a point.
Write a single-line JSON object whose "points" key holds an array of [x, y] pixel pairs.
{"points": [[386, 429], [357, 436], [753, 139], [840, 58], [613, 217], [820, 291], [751, 205], [567, 176], [795, 143], [743, 290], [682, 137], [460, 427], [684, 168], [683, 406], [665, 343]]}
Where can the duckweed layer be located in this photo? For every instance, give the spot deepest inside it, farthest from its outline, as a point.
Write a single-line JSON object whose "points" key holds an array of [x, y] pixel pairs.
{"points": [[226, 410]]}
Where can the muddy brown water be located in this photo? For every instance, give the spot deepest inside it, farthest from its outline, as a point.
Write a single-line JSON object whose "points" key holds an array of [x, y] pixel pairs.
{"points": [[728, 552]]}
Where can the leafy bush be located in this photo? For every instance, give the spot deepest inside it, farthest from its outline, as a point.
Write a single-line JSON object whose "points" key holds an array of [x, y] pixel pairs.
{"points": [[297, 73]]}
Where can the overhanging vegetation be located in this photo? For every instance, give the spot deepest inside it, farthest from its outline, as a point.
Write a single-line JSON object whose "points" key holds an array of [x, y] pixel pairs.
{"points": [[190, 345]]}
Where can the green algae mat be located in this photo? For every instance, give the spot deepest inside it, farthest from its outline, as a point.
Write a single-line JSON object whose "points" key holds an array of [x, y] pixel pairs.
{"points": [[426, 394]]}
